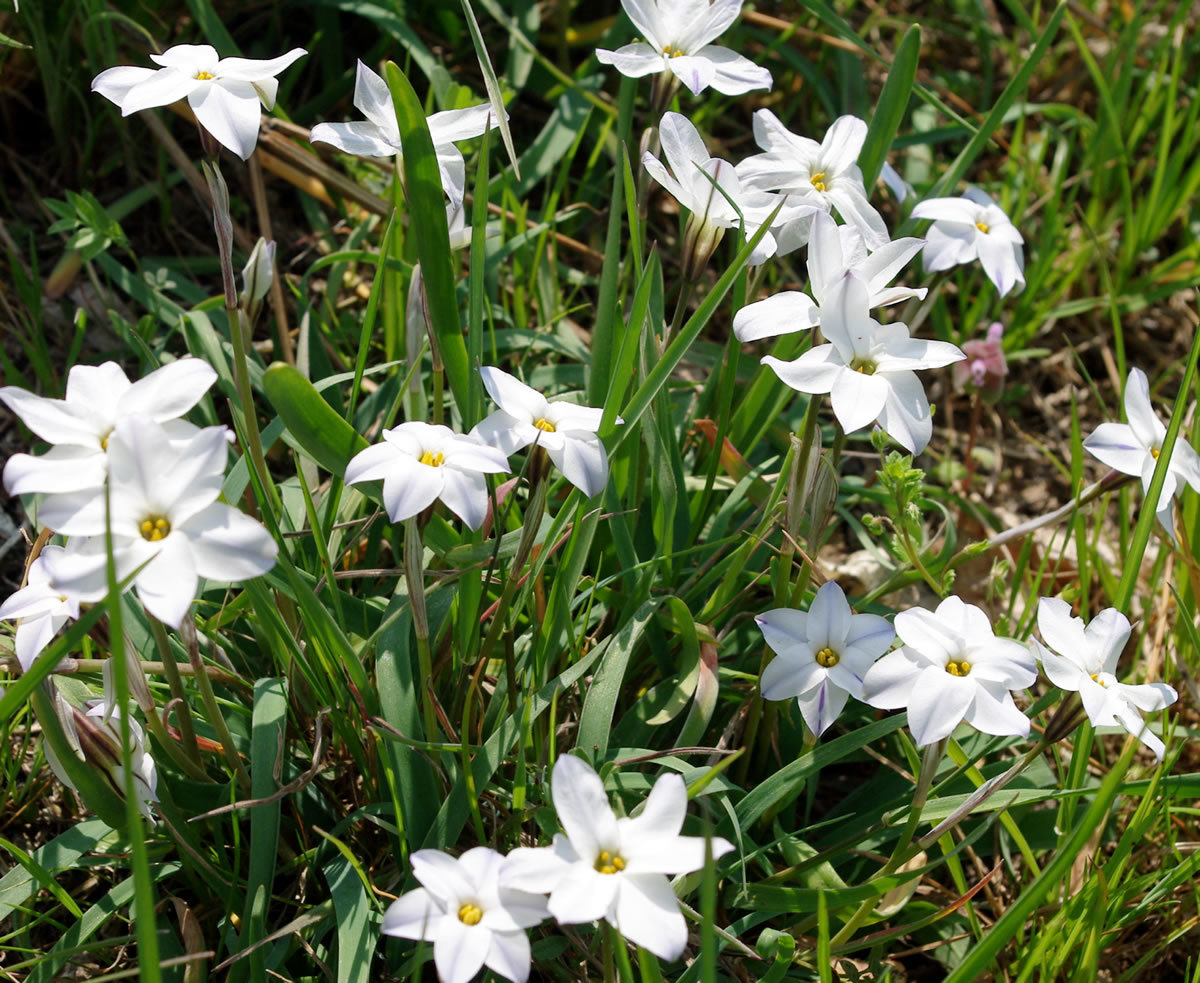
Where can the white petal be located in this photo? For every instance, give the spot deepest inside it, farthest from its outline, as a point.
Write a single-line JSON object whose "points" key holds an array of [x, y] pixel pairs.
{"points": [[906, 415], [63, 468], [791, 674], [870, 633], [695, 72], [582, 460], [509, 955], [648, 915], [1148, 696], [512, 395], [54, 420], [938, 703], [783, 313], [654, 167], [413, 915], [411, 488], [1063, 673], [79, 513], [948, 245], [534, 869], [459, 950], [733, 74], [167, 585], [993, 712], [851, 203], [889, 681], [1116, 445], [929, 634], [361, 138], [34, 634], [882, 266], [1064, 633], [505, 432], [843, 143], [255, 69], [858, 399], [373, 99], [821, 707], [633, 60], [784, 628], [829, 616], [444, 877], [845, 316], [715, 19], [681, 143], [771, 135], [465, 494], [647, 18], [453, 125], [1105, 637], [662, 814], [583, 808], [228, 545], [114, 83], [230, 112], [189, 58], [584, 895], [957, 210], [999, 262], [161, 88], [1147, 428], [816, 371]]}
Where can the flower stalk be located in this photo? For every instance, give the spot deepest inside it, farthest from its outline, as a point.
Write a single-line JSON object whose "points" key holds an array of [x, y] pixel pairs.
{"points": [[414, 578]]}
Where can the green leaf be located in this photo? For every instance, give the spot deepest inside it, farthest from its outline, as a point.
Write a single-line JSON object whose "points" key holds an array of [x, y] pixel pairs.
{"points": [[889, 112], [492, 84], [427, 223], [315, 426]]}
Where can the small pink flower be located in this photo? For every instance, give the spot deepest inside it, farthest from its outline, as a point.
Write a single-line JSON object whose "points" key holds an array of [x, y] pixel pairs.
{"points": [[985, 366]]}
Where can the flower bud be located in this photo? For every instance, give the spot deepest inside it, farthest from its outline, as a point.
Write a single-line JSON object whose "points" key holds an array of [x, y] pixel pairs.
{"points": [[985, 366], [258, 273], [700, 239]]}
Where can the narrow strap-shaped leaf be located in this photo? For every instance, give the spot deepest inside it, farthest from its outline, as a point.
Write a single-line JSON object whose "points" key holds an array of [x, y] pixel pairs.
{"points": [[889, 112], [315, 426]]}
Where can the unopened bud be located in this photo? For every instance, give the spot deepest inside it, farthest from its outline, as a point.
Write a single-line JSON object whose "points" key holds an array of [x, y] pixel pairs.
{"points": [[257, 275], [700, 240]]}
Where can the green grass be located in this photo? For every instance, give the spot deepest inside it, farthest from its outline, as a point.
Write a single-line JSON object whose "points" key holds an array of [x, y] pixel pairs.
{"points": [[356, 715]]}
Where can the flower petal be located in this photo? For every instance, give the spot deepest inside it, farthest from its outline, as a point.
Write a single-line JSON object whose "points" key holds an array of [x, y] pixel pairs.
{"points": [[816, 371], [783, 313], [583, 808], [829, 617], [167, 584], [889, 681], [534, 869], [444, 877], [459, 950], [411, 487], [509, 955], [633, 60], [584, 894], [994, 712], [361, 138], [1104, 638], [512, 395], [851, 203], [1116, 445], [858, 399], [843, 143], [938, 703], [413, 915], [999, 260], [790, 674], [255, 69], [821, 706], [170, 391], [161, 88], [228, 545], [648, 915], [1147, 428], [230, 112], [63, 468], [54, 420], [452, 125], [465, 494], [694, 71], [906, 415], [733, 74], [583, 461], [663, 812], [115, 83]]}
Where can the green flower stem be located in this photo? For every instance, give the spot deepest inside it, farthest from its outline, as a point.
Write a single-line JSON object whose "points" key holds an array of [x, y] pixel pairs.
{"points": [[414, 577], [171, 669], [215, 717], [187, 765], [929, 766], [624, 966]]}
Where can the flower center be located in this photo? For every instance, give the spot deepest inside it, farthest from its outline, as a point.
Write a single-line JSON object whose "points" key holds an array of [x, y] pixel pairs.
{"points": [[983, 226], [1154, 452], [864, 365], [609, 863], [1097, 678], [434, 459], [818, 180], [544, 425], [470, 914], [960, 668], [828, 658], [670, 52], [154, 528], [201, 76]]}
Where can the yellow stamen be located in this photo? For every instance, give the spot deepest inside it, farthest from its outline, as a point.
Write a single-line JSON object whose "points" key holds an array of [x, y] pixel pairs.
{"points": [[961, 668], [470, 914], [982, 226], [609, 863], [434, 460], [544, 425], [828, 658], [864, 365], [154, 528], [204, 75], [1154, 453], [818, 180], [673, 52]]}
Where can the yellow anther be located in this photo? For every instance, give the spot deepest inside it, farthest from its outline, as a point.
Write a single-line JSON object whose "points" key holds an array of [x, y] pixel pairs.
{"points": [[1096, 678], [434, 460], [864, 365], [983, 226], [609, 863], [154, 528], [827, 658], [818, 180], [1154, 453], [470, 914], [961, 668], [544, 425], [673, 52], [203, 75]]}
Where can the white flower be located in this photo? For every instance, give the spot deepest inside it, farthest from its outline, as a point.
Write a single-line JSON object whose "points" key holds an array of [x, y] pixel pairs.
{"points": [[258, 272], [98, 396], [694, 179], [611, 868], [952, 667], [822, 655], [166, 521], [466, 911], [379, 134], [677, 34], [834, 250], [565, 431], [1086, 666], [825, 174], [868, 368], [1133, 448], [971, 227], [42, 607], [420, 463], [224, 93]]}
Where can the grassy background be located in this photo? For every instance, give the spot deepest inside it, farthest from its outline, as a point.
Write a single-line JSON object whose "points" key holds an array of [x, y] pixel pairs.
{"points": [[633, 631]]}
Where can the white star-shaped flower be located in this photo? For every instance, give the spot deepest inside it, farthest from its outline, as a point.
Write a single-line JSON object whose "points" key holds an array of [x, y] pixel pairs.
{"points": [[821, 655], [422, 462], [969, 228], [1086, 666], [379, 134], [166, 522], [868, 368], [1133, 448], [224, 93], [615, 869], [952, 668], [678, 35], [42, 607], [472, 918], [825, 174], [833, 250], [565, 431], [97, 398]]}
